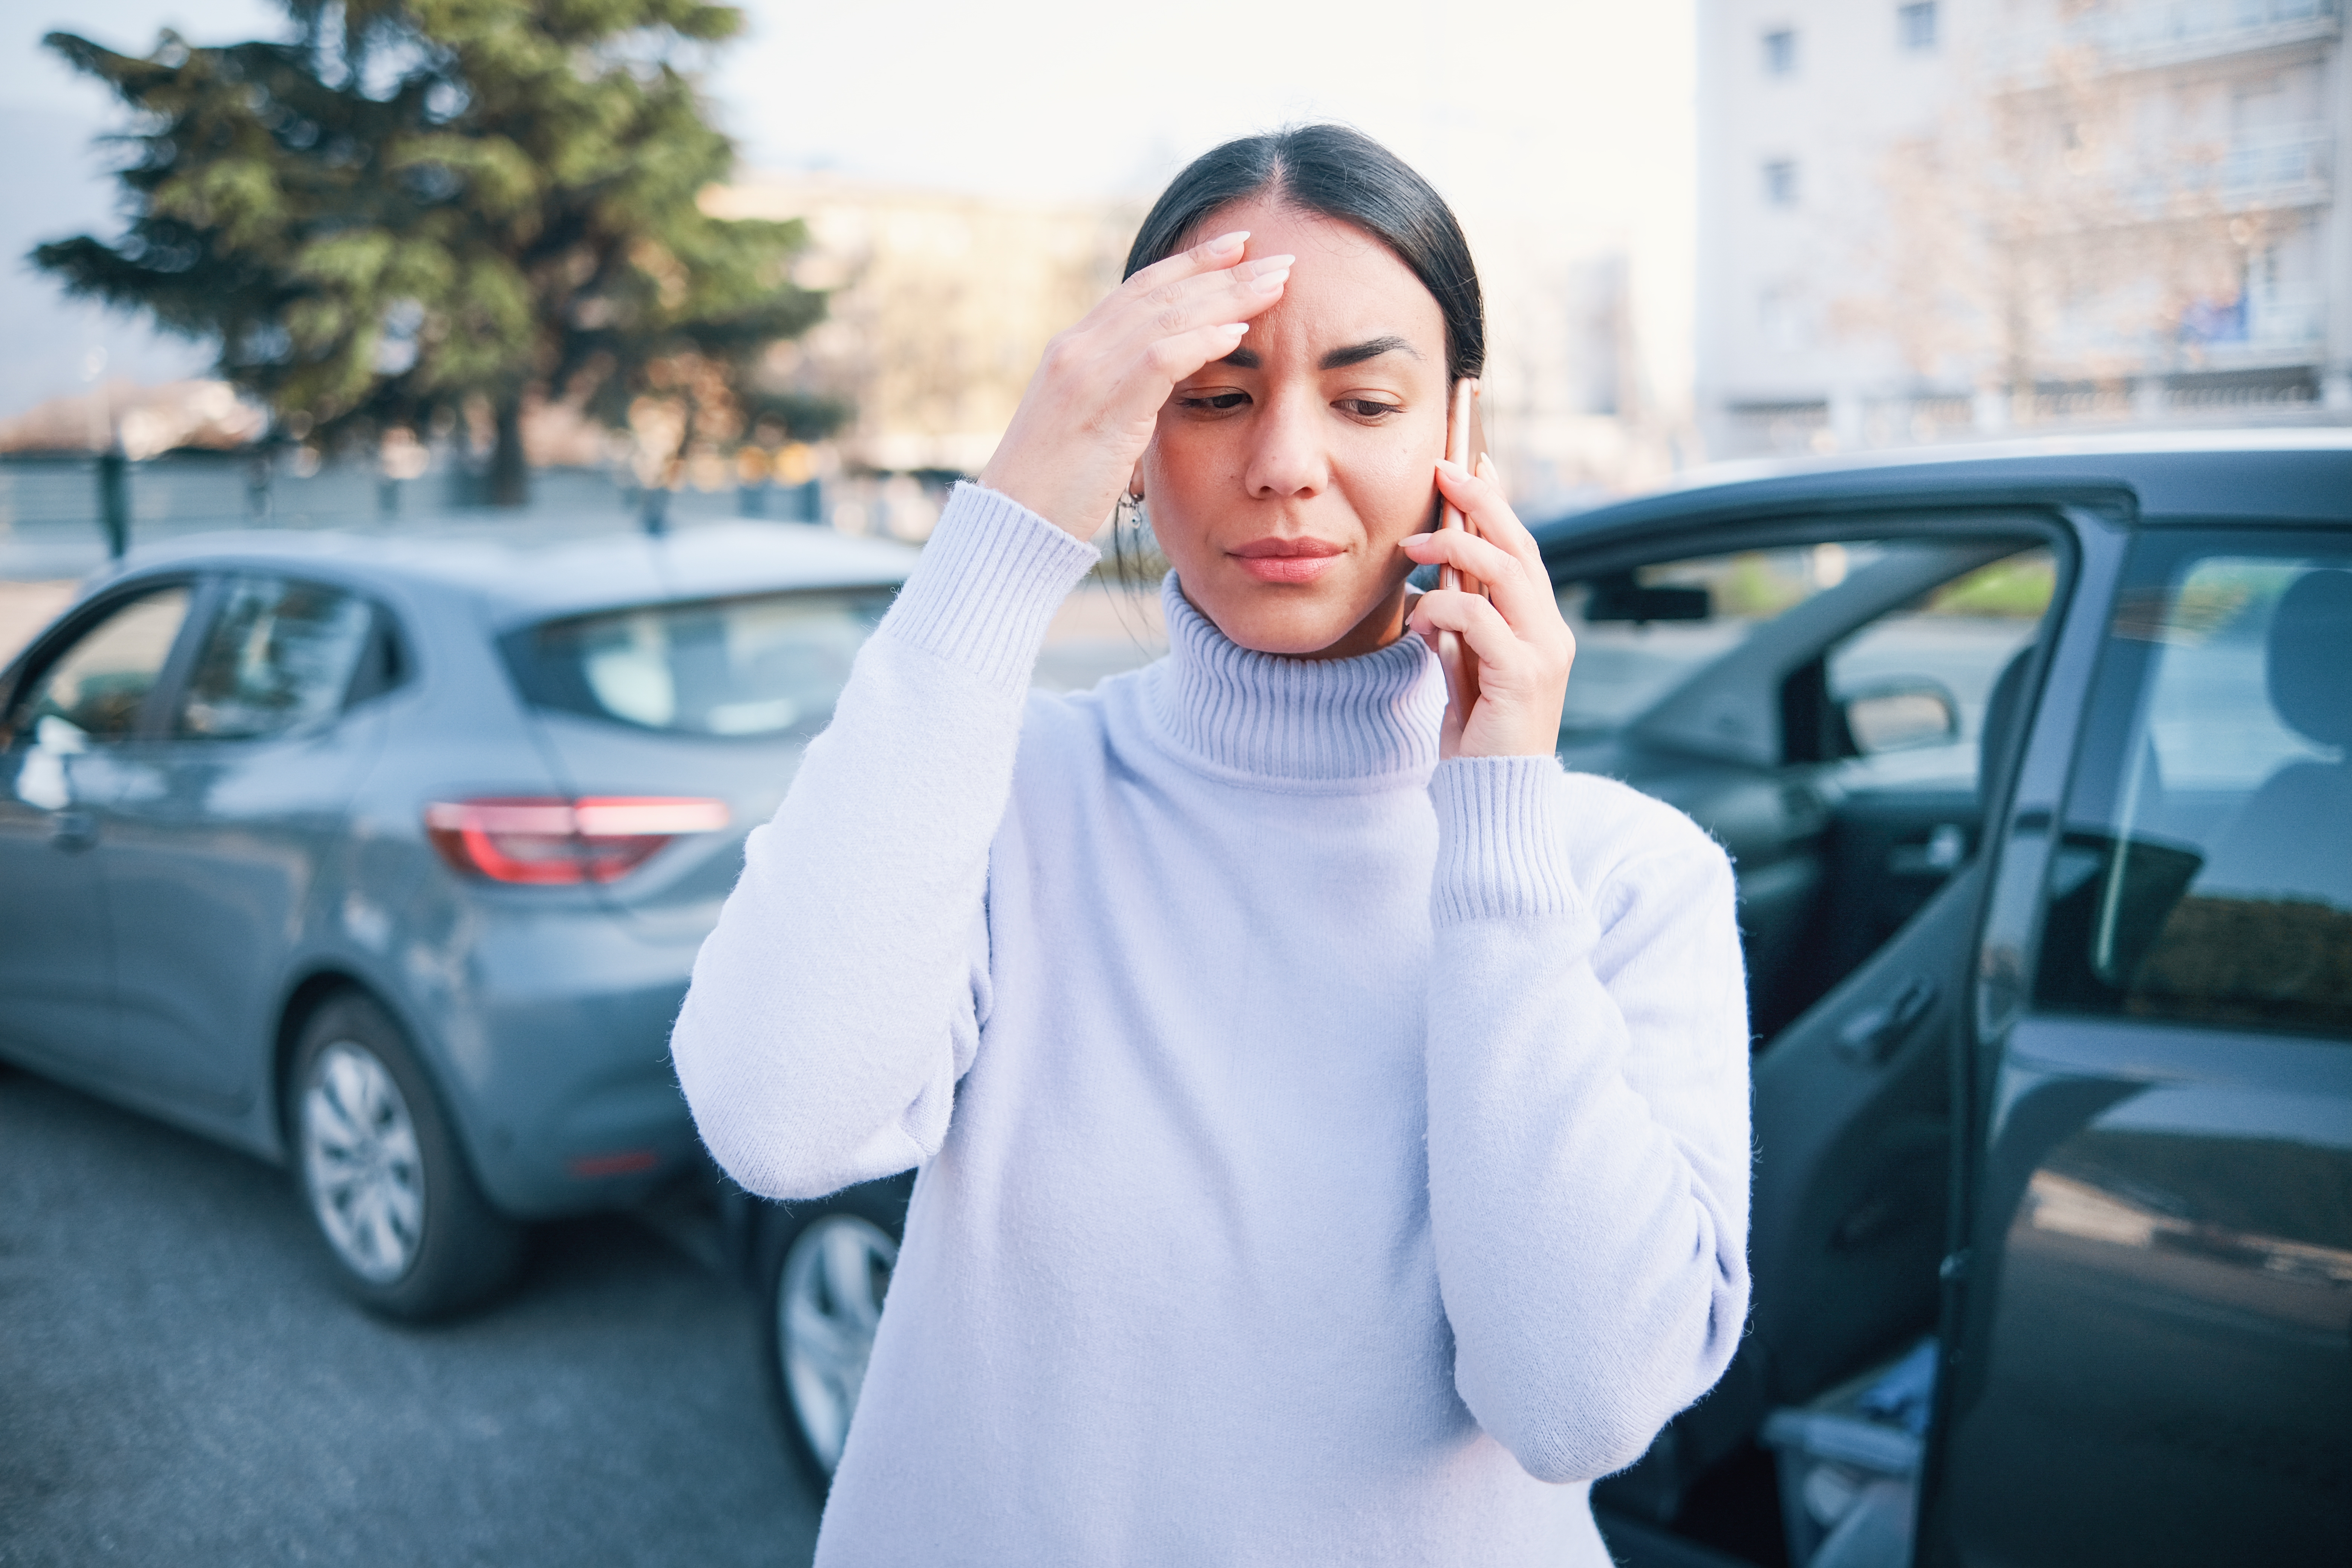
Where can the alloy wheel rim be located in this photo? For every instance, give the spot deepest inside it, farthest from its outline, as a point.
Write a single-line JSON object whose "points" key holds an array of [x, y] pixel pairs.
{"points": [[363, 1166], [828, 1305]]}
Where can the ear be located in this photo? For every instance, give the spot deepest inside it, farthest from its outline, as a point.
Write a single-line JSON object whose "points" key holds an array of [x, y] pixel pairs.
{"points": [[1135, 480]]}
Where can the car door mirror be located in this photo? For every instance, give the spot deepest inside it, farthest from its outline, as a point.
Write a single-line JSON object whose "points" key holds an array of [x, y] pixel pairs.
{"points": [[1902, 715]]}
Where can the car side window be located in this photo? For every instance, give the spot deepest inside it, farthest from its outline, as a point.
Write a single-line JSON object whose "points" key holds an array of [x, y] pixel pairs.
{"points": [[280, 656], [91, 693], [2205, 872], [1904, 690]]}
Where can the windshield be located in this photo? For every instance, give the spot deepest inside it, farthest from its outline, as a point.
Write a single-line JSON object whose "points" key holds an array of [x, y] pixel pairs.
{"points": [[771, 664]]}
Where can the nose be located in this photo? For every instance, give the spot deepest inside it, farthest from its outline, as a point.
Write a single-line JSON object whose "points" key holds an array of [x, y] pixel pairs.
{"points": [[1287, 456]]}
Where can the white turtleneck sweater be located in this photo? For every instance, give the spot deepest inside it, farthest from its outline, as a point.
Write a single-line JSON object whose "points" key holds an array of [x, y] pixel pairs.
{"points": [[1328, 1155]]}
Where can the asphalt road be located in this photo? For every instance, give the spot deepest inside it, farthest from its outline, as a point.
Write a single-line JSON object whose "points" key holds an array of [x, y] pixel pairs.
{"points": [[180, 1383]]}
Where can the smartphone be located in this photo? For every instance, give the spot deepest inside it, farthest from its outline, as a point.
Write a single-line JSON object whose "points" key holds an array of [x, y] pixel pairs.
{"points": [[1466, 442]]}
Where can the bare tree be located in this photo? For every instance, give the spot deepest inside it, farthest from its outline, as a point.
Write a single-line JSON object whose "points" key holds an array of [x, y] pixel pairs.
{"points": [[2063, 225]]}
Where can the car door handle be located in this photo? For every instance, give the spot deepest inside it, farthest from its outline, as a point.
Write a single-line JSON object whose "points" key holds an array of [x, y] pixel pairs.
{"points": [[1870, 1035], [73, 830]]}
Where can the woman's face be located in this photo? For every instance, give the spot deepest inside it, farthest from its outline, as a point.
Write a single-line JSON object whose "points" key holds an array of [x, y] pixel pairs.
{"points": [[1283, 477]]}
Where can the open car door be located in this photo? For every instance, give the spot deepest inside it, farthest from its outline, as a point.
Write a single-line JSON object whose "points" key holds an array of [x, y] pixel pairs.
{"points": [[2149, 1355]]}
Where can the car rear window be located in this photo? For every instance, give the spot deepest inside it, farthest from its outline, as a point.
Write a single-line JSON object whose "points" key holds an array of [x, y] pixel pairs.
{"points": [[767, 664]]}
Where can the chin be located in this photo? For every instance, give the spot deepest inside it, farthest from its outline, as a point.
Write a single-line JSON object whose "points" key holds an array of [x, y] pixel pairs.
{"points": [[1291, 623]]}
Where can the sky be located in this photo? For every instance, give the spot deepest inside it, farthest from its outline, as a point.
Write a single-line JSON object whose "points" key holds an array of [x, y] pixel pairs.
{"points": [[1555, 129]]}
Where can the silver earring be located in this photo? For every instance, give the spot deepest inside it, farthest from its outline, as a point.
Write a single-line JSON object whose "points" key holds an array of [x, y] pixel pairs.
{"points": [[1129, 507]]}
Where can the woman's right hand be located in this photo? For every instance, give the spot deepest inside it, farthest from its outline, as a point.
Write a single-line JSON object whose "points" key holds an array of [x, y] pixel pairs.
{"points": [[1089, 411]]}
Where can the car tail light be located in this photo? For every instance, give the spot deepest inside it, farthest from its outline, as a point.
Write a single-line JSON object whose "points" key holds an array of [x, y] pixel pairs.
{"points": [[550, 840]]}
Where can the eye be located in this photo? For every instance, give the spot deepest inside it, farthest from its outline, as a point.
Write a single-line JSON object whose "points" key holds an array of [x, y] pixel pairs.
{"points": [[1367, 408], [1212, 401]]}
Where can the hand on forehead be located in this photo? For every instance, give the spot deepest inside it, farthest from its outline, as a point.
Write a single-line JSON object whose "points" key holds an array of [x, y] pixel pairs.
{"points": [[1351, 299]]}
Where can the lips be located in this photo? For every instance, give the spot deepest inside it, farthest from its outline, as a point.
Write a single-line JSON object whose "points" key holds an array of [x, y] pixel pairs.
{"points": [[1285, 560]]}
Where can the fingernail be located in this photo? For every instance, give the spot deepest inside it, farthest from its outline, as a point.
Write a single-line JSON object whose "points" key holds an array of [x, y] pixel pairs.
{"points": [[1237, 328], [1271, 282], [1225, 242], [1265, 264]]}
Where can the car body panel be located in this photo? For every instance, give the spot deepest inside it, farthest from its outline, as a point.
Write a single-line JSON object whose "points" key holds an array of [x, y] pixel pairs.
{"points": [[212, 853], [2160, 1368], [56, 947], [675, 897], [2261, 477]]}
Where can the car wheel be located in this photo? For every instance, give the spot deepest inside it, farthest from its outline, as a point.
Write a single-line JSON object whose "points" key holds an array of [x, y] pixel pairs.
{"points": [[409, 1231], [826, 1278]]}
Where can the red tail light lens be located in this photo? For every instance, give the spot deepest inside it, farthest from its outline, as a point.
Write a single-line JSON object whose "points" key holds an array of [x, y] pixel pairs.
{"points": [[549, 840]]}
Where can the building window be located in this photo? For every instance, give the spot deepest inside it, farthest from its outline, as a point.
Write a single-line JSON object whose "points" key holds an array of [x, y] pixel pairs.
{"points": [[1780, 183], [1914, 25], [1781, 52]]}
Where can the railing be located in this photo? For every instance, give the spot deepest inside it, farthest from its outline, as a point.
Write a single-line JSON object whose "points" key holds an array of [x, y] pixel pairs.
{"points": [[2290, 166], [64, 516], [2269, 321], [2275, 165], [2137, 38]]}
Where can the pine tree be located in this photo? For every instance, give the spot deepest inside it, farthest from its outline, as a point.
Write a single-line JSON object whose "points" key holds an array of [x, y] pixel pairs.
{"points": [[409, 209]]}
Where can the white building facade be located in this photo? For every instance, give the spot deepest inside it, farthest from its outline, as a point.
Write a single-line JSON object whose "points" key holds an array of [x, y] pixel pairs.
{"points": [[1927, 220]]}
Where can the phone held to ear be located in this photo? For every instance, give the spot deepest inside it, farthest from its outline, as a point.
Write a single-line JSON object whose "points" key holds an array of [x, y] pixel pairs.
{"points": [[1465, 441]]}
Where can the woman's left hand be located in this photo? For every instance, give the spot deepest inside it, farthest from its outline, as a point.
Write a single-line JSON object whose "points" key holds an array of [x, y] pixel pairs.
{"points": [[1523, 646]]}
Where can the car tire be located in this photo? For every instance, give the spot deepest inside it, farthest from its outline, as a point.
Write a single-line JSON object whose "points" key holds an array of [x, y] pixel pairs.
{"points": [[383, 1178], [825, 1268]]}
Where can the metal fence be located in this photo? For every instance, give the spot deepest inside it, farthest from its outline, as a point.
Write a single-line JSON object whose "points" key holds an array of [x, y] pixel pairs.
{"points": [[65, 516]]}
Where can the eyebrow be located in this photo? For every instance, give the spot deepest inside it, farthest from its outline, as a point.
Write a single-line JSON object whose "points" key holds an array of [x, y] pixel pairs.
{"points": [[1338, 359], [1356, 354]]}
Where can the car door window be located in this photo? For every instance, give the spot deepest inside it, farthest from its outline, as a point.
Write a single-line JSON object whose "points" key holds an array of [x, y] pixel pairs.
{"points": [[2205, 874], [279, 657], [93, 691], [1640, 634]]}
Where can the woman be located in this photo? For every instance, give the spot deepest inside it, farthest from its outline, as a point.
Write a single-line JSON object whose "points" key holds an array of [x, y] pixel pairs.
{"points": [[1324, 1145]]}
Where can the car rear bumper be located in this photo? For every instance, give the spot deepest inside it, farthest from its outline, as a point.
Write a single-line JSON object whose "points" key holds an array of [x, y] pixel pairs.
{"points": [[549, 1022]]}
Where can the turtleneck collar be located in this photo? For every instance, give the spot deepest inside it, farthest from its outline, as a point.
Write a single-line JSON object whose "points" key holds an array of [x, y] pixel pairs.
{"points": [[1339, 721]]}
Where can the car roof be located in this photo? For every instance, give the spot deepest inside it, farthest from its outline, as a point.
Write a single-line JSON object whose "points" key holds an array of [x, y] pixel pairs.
{"points": [[2247, 476], [519, 572]]}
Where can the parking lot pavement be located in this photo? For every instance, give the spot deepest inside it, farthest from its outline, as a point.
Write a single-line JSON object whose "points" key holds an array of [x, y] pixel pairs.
{"points": [[180, 1383]]}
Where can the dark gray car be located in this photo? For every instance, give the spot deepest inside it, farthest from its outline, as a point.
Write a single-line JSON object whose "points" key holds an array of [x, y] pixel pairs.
{"points": [[388, 857]]}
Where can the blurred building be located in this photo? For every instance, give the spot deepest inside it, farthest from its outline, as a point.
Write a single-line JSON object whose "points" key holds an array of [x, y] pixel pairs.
{"points": [[1570, 410], [137, 421], [1951, 217], [941, 305]]}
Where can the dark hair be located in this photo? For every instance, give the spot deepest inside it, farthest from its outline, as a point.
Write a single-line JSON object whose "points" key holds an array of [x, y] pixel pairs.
{"points": [[1345, 176]]}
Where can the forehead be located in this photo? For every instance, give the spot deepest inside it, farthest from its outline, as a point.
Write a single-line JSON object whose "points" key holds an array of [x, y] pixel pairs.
{"points": [[1345, 288]]}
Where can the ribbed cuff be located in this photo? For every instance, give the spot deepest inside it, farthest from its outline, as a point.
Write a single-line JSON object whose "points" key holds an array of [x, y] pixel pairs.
{"points": [[987, 587], [1502, 851]]}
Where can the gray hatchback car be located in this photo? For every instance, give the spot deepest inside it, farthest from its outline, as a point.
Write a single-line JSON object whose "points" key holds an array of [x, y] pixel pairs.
{"points": [[387, 857]]}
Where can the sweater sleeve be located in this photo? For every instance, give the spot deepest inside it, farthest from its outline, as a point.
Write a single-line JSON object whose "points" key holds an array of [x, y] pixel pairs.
{"points": [[842, 993], [1588, 1120]]}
